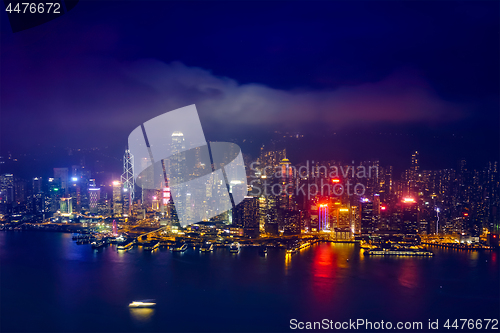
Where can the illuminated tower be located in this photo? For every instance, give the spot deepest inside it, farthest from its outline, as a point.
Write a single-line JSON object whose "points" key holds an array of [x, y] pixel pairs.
{"points": [[7, 188], [385, 217], [286, 200], [146, 193], [246, 215], [176, 169], [179, 158], [345, 229], [37, 185], [414, 174], [74, 190], [323, 218], [376, 212], [344, 218], [367, 217], [128, 182], [66, 206], [61, 174], [128, 173], [271, 215], [410, 216], [262, 213], [117, 199], [94, 197]]}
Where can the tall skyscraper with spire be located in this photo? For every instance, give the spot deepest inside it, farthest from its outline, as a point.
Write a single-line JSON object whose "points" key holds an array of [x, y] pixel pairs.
{"points": [[176, 167], [414, 177], [127, 182], [128, 173]]}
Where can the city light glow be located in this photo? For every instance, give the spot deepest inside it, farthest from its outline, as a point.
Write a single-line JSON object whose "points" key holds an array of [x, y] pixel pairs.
{"points": [[210, 202]]}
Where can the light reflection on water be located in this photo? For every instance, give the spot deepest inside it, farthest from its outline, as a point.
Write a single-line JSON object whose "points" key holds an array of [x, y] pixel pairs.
{"points": [[408, 275], [322, 280], [141, 315], [323, 271], [288, 262]]}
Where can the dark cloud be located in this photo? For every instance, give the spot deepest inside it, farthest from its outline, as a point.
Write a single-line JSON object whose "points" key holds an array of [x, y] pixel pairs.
{"points": [[82, 80], [403, 97], [92, 95]]}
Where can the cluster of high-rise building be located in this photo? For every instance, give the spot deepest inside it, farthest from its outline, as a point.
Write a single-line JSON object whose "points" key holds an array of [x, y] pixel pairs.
{"points": [[69, 190], [347, 200], [315, 197]]}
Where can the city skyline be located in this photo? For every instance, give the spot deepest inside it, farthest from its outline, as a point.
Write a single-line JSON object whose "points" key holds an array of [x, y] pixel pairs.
{"points": [[466, 200], [249, 166]]}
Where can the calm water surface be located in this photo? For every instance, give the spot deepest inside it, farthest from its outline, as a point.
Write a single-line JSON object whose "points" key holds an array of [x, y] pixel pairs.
{"points": [[50, 284]]}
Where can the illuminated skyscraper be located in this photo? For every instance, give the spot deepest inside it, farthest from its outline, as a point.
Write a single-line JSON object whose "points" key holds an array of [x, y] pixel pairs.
{"points": [[179, 158], [246, 216], [287, 189], [128, 174], [356, 219], [262, 213], [323, 218], [271, 215], [61, 175], [344, 218], [53, 196], [176, 167], [345, 228], [127, 178], [376, 212], [410, 216], [385, 217], [146, 194], [7, 188], [415, 167], [367, 217], [84, 187], [165, 195], [38, 197], [414, 177], [372, 177], [94, 196], [74, 189], [117, 198], [66, 206], [291, 222], [37, 185]]}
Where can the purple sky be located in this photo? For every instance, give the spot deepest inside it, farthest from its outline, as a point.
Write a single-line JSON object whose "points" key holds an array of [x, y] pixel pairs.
{"points": [[91, 76]]}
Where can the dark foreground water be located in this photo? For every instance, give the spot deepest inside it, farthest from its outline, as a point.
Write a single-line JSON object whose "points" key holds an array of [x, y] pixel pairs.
{"points": [[50, 284]]}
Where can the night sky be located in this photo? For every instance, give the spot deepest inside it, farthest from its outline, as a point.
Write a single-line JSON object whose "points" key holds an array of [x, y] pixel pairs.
{"points": [[358, 79]]}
